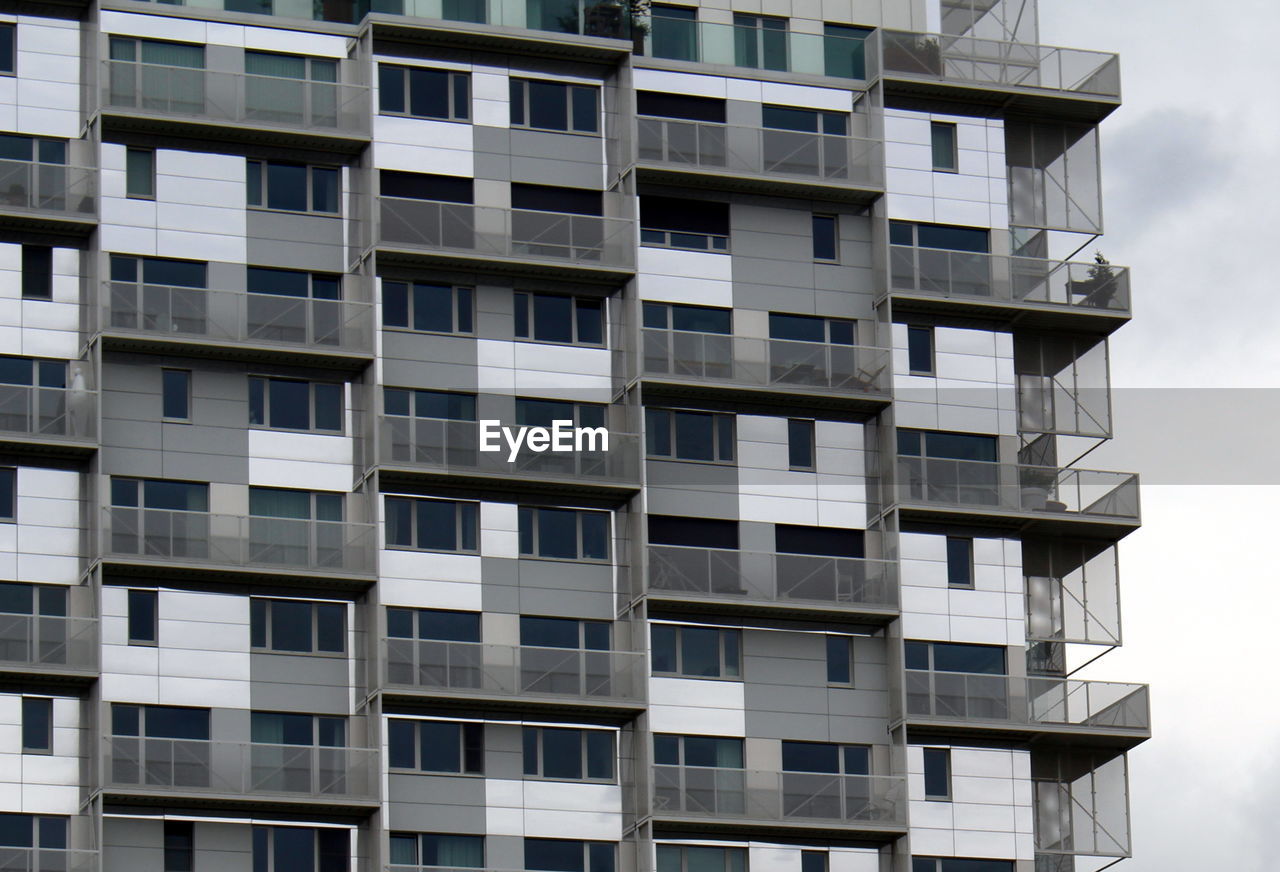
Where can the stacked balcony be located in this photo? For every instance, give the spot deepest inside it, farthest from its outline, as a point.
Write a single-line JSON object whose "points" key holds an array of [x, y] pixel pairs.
{"points": [[48, 197], [51, 417], [56, 647]]}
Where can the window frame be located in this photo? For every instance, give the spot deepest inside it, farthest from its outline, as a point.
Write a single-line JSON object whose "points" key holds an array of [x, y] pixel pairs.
{"points": [[260, 609], [728, 851], [9, 487], [534, 735], [452, 97], [954, 561], [37, 278], [936, 753], [588, 864], [131, 171], [45, 703], [720, 421], [532, 512], [727, 670], [462, 308], [179, 858], [953, 133], [528, 321], [419, 855], [9, 65], [313, 405], [263, 836], [913, 351], [138, 594], [460, 529], [165, 374], [810, 434], [262, 186], [833, 221], [525, 105], [476, 738], [831, 642]]}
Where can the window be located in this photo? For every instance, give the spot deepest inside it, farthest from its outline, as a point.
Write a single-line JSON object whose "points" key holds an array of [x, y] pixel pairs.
{"points": [[544, 413], [844, 50], [431, 525], [704, 751], [800, 445], [296, 527], [143, 617], [37, 272], [287, 305], [176, 390], [920, 350], [298, 626], [293, 187], [937, 773], [701, 858], [955, 657], [587, 635], [8, 52], [8, 493], [568, 755], [825, 241], [663, 104], [941, 236], [437, 850], [290, 89], [287, 728], [696, 225], [557, 106], [839, 659], [301, 849], [563, 534], [804, 120], [826, 757], [673, 32], [179, 846], [37, 725], [155, 293], [693, 532], [809, 770], [554, 318], [959, 561], [808, 328], [943, 138], [683, 435], [29, 831], [813, 861], [286, 404], [696, 652], [436, 625], [436, 188], [37, 600], [564, 855], [159, 722], [429, 308], [423, 93], [958, 864], [689, 319], [158, 76], [940, 444], [140, 173], [436, 746], [437, 405], [760, 42], [158, 493]]}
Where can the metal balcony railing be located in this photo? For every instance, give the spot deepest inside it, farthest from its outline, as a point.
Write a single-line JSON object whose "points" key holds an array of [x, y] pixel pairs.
{"points": [[760, 151], [453, 446], [49, 642], [240, 541], [57, 189], [48, 860], [1013, 488], [48, 412], [763, 577], [521, 234], [1045, 700], [773, 363], [991, 278], [800, 797], [239, 768], [261, 101], [514, 670], [984, 62], [237, 316]]}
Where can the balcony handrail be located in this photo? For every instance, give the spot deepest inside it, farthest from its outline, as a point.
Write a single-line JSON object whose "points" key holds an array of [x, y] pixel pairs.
{"points": [[48, 187], [58, 641]]}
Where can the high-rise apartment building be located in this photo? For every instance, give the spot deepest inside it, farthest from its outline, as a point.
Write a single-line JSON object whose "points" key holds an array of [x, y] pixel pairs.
{"points": [[806, 591]]}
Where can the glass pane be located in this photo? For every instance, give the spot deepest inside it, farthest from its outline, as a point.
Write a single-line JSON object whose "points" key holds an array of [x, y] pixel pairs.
{"points": [[548, 106], [286, 187], [552, 318], [700, 651], [290, 625], [557, 533], [439, 746], [433, 308], [330, 632], [561, 753], [448, 626], [549, 632], [428, 93], [437, 525]]}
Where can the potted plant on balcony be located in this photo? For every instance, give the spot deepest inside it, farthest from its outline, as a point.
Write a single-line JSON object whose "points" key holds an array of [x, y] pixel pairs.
{"points": [[912, 53], [1038, 484], [1099, 288]]}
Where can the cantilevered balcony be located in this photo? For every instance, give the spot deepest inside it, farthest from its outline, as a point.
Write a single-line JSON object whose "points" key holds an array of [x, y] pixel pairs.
{"points": [[514, 674], [44, 419], [251, 544], [286, 774], [848, 374], [236, 323], [48, 196], [48, 645], [230, 105], [722, 796], [494, 238], [60, 859], [433, 446], [799, 163], [750, 580], [1065, 81], [1085, 296]]}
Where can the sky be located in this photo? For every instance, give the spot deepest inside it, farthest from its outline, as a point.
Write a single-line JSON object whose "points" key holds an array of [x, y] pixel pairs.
{"points": [[1191, 173]]}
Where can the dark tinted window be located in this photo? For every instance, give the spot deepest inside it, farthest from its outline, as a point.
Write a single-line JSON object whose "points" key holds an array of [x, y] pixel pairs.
{"points": [[937, 773], [839, 660], [142, 616], [37, 724], [548, 198], [37, 271], [684, 216], [959, 561], [826, 541], [424, 186], [800, 445], [665, 105], [920, 349], [824, 237], [693, 532]]}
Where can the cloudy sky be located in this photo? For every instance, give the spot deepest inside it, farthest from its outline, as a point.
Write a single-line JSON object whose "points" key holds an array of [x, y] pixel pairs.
{"points": [[1192, 203]]}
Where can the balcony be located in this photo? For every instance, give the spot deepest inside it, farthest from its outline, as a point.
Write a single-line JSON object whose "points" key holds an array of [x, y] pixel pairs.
{"points": [[750, 579], [489, 237], [240, 770], [849, 374], [788, 162], [254, 544], [760, 798], [51, 859], [1038, 292], [1081, 808], [1058, 499], [1035, 703], [515, 673], [188, 101], [49, 645], [50, 420], [1064, 81], [47, 196], [436, 446], [257, 325]]}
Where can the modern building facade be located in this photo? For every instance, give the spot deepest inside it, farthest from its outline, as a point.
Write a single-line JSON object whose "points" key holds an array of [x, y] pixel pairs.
{"points": [[275, 271]]}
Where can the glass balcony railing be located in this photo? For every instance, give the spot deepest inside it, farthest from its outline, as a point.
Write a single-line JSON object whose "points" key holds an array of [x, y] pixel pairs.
{"points": [[989, 278], [971, 61], [236, 316], [763, 577], [68, 414], [197, 766], [520, 234], [842, 56], [804, 156], [1012, 488], [462, 668], [48, 860], [1044, 700], [261, 101], [799, 797], [48, 642], [251, 542], [453, 446], [56, 190], [773, 363]]}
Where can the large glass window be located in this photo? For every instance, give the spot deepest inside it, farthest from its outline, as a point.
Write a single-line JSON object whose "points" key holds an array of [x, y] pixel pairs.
{"points": [[691, 319], [955, 657], [294, 306], [436, 625], [566, 855], [564, 534], [436, 746], [157, 76], [556, 106], [685, 435], [47, 832], [291, 187], [568, 755], [701, 858], [696, 225], [298, 626], [437, 850], [940, 444], [419, 92], [708, 751], [673, 32], [760, 42], [427, 307], [159, 721], [287, 404], [844, 50], [696, 652], [556, 318], [431, 525], [291, 89], [301, 849], [159, 294], [959, 864], [287, 728]]}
